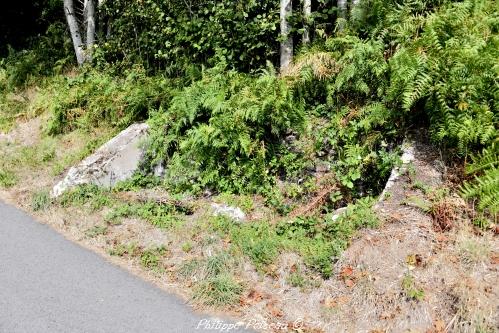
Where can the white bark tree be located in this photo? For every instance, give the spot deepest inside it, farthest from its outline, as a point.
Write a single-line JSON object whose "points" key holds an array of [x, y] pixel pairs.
{"points": [[89, 8], [87, 14], [74, 29], [307, 12], [287, 43], [342, 13]]}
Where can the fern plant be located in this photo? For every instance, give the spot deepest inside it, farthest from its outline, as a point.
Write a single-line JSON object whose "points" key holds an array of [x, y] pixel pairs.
{"points": [[486, 184], [225, 131]]}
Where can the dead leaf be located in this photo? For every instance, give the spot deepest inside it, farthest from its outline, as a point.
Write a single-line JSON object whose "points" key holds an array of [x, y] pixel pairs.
{"points": [[438, 327], [349, 283], [274, 310], [415, 260], [346, 272], [494, 258], [332, 302], [255, 295], [442, 238]]}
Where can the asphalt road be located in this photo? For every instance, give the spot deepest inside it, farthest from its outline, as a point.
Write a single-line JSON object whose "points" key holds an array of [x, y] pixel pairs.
{"points": [[49, 284]]}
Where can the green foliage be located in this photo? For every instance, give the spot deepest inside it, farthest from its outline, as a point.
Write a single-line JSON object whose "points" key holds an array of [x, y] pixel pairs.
{"points": [[486, 183], [297, 279], [319, 240], [220, 290], [173, 35], [160, 215], [424, 62], [7, 178], [410, 289], [214, 284], [96, 231], [93, 98], [225, 132], [120, 250], [136, 182], [151, 259], [450, 68], [85, 195], [48, 54], [40, 200]]}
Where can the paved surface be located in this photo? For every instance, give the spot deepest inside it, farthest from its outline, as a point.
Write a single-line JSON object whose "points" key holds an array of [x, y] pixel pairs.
{"points": [[49, 284]]}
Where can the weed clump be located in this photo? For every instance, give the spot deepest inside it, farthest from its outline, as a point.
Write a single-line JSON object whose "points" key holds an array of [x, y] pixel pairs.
{"points": [[40, 200], [7, 178]]}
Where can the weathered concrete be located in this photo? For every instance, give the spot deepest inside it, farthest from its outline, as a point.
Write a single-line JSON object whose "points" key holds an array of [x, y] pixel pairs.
{"points": [[115, 161]]}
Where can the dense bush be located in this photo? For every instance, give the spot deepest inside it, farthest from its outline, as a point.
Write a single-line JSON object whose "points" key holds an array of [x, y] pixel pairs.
{"points": [[225, 131], [48, 54], [421, 63], [172, 35]]}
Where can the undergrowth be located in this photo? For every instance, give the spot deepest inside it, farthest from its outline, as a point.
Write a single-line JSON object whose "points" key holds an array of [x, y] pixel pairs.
{"points": [[318, 239]]}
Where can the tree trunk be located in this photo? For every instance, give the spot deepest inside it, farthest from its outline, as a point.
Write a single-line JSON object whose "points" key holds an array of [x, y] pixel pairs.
{"points": [[90, 15], [342, 14], [307, 12], [287, 43], [75, 31]]}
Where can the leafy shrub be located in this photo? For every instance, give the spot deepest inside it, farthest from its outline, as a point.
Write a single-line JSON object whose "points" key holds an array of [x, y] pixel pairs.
{"points": [[450, 68], [173, 35], [225, 132], [48, 54]]}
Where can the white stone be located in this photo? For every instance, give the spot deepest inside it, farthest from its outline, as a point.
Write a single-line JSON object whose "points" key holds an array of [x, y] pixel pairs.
{"points": [[338, 213], [234, 213], [115, 161], [407, 158]]}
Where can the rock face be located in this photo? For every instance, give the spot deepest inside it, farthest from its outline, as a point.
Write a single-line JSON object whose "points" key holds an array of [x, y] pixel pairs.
{"points": [[115, 161], [234, 213]]}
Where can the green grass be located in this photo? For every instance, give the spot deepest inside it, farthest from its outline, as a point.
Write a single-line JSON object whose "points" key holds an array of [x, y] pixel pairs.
{"points": [[187, 247], [120, 250], [96, 231], [158, 214], [89, 195], [318, 239], [220, 290], [40, 200], [151, 259], [297, 279], [7, 178], [213, 278]]}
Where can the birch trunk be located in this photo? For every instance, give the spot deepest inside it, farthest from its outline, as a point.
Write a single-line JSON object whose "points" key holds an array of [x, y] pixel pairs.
{"points": [[75, 31], [90, 15], [307, 12], [342, 13], [287, 43]]}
